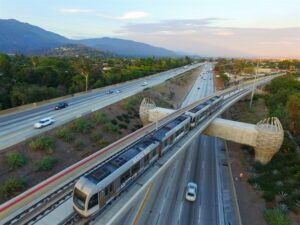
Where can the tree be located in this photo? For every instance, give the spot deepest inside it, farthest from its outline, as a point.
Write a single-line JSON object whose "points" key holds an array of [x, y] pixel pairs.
{"points": [[293, 110]]}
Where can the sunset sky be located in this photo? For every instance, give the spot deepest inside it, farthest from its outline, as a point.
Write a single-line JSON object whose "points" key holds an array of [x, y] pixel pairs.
{"points": [[232, 28]]}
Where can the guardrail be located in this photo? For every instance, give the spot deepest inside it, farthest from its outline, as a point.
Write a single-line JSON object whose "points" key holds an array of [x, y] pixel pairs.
{"points": [[31, 196], [65, 97]]}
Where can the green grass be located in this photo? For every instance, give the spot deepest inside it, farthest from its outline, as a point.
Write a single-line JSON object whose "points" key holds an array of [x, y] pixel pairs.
{"points": [[11, 187], [99, 117], [65, 134], [47, 163], [15, 160], [276, 217], [42, 143], [82, 126]]}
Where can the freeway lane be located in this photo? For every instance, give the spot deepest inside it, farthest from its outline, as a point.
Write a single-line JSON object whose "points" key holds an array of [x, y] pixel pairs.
{"points": [[167, 204], [15, 128]]}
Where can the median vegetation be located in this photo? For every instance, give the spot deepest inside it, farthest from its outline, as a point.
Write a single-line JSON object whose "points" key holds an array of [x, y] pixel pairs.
{"points": [[27, 79], [42, 143], [278, 181]]}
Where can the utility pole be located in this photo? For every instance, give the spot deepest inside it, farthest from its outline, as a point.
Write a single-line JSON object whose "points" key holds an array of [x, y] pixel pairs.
{"points": [[254, 85]]}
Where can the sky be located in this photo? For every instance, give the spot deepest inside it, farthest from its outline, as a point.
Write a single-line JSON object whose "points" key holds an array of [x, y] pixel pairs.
{"points": [[219, 28]]}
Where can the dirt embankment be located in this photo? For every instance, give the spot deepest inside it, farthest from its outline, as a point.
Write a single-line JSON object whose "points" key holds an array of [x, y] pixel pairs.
{"points": [[22, 167], [251, 201]]}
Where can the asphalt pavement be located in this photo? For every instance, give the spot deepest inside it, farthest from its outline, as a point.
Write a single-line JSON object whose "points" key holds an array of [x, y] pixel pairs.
{"points": [[17, 127]]}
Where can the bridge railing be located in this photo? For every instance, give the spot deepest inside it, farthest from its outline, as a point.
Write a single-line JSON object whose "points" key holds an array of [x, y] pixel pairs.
{"points": [[30, 197]]}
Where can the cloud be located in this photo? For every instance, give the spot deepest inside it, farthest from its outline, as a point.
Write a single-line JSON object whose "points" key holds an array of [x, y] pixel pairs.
{"points": [[224, 33], [76, 10], [133, 15], [206, 37], [169, 26]]}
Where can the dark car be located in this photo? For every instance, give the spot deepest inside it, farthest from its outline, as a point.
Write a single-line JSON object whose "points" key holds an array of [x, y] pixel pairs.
{"points": [[61, 105], [109, 92]]}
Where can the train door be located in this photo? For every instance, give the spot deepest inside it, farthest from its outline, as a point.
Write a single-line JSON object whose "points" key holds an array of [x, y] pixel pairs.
{"points": [[172, 138], [102, 198], [111, 190], [160, 147]]}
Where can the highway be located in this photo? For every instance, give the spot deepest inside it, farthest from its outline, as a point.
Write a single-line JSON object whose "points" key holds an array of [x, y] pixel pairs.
{"points": [[167, 203], [17, 127], [127, 201]]}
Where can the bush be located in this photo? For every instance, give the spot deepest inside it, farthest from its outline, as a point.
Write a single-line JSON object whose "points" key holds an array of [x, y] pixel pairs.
{"points": [[114, 122], [110, 128], [15, 160], [78, 144], [95, 136], [102, 143], [123, 126], [47, 163], [99, 117], [11, 187], [276, 217], [65, 134], [42, 144], [82, 126], [120, 117]]}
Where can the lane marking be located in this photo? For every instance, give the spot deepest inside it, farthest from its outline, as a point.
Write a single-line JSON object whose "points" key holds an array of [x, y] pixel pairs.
{"points": [[143, 204]]}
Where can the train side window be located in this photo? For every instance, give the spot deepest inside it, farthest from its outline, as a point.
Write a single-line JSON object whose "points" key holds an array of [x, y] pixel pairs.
{"points": [[111, 187], [146, 159], [136, 168], [93, 201], [125, 176]]}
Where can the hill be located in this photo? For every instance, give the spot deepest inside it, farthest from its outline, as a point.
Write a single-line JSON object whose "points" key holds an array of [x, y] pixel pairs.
{"points": [[19, 37], [127, 48]]}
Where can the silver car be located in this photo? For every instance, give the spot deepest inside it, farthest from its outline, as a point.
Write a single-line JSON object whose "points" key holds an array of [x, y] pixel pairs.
{"points": [[44, 122], [191, 192]]}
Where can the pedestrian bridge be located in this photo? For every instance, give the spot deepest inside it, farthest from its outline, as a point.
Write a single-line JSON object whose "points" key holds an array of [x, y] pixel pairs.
{"points": [[266, 136]]}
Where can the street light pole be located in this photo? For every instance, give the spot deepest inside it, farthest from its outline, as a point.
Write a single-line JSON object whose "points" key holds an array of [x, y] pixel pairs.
{"points": [[253, 87]]}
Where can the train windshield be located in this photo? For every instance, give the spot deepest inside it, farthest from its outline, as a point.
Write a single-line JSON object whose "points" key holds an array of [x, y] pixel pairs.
{"points": [[79, 198]]}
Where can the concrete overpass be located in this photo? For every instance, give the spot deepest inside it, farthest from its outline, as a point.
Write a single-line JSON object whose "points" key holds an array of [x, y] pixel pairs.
{"points": [[266, 136]]}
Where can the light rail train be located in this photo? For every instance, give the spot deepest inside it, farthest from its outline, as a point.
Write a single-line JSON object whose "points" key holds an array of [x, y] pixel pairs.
{"points": [[93, 191]]}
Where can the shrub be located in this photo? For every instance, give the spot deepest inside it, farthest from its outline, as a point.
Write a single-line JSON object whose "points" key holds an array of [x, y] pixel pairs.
{"points": [[276, 217], [95, 136], [114, 122], [15, 160], [120, 117], [102, 143], [110, 127], [78, 144], [82, 126], [65, 134], [269, 196], [11, 187], [123, 126], [47, 163], [99, 117], [42, 144], [125, 116]]}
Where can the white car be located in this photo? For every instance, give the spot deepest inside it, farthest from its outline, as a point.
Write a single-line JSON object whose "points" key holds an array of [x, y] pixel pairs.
{"points": [[44, 122], [145, 83], [191, 192], [118, 91]]}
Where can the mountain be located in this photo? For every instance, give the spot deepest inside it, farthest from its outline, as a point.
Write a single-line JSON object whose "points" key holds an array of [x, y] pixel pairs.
{"points": [[127, 48], [19, 37], [75, 50]]}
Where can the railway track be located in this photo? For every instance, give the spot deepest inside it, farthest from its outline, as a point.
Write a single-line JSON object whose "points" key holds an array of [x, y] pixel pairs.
{"points": [[46, 205]]}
